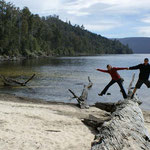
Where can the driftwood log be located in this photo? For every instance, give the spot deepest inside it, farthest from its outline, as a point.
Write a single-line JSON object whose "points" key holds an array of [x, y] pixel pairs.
{"points": [[125, 129], [82, 100], [13, 82]]}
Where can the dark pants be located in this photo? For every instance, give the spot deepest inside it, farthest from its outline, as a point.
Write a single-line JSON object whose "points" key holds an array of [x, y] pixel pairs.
{"points": [[120, 85], [141, 82]]}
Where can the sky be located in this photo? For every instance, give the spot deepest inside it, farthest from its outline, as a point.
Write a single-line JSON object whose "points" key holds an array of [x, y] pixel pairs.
{"points": [[109, 18]]}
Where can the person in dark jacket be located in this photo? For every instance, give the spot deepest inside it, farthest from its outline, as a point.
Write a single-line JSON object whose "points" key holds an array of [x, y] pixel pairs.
{"points": [[115, 79], [143, 75]]}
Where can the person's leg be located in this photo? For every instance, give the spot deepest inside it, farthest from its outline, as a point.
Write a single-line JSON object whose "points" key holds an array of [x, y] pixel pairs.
{"points": [[137, 86], [122, 88], [147, 83], [134, 91], [107, 87]]}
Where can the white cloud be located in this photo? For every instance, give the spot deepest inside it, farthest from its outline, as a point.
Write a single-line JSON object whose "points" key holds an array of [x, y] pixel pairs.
{"points": [[77, 7], [144, 31], [78, 13], [102, 26], [81, 4], [97, 28], [38, 6], [120, 7], [146, 19], [113, 6], [82, 7]]}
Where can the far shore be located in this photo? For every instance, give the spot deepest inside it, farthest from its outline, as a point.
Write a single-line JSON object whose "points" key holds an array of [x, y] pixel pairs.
{"points": [[31, 124], [19, 58]]}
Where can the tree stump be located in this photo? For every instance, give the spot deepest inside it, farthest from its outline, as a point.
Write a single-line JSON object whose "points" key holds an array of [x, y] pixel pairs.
{"points": [[82, 100]]}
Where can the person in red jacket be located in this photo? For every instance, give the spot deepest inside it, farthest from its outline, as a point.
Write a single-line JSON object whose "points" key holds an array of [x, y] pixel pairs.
{"points": [[115, 79]]}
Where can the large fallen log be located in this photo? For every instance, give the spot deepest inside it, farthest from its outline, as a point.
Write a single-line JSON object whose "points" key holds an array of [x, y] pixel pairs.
{"points": [[13, 82], [82, 100], [125, 130]]}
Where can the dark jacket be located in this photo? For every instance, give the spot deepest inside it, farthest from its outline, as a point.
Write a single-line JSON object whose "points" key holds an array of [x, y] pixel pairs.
{"points": [[144, 71]]}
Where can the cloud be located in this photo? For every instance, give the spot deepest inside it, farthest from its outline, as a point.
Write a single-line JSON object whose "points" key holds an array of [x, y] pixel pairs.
{"points": [[102, 26], [126, 6], [78, 7], [81, 4], [38, 6], [98, 27], [113, 6], [144, 31], [146, 19], [78, 13]]}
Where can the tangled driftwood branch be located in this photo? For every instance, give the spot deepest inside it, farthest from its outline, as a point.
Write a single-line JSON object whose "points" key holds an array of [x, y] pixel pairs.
{"points": [[13, 82], [82, 100]]}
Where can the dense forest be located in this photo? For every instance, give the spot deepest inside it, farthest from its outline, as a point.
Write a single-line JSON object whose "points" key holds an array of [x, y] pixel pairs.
{"points": [[25, 34]]}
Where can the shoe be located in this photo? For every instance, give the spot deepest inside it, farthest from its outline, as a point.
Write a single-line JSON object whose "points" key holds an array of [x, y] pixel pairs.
{"points": [[100, 94], [108, 93]]}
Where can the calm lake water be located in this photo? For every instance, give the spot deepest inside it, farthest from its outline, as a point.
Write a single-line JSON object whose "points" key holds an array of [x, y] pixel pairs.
{"points": [[54, 76]]}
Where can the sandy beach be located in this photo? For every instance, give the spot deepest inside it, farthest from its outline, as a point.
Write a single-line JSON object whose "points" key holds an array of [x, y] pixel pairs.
{"points": [[27, 124]]}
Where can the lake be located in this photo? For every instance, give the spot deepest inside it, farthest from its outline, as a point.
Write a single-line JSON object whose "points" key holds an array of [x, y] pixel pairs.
{"points": [[54, 76]]}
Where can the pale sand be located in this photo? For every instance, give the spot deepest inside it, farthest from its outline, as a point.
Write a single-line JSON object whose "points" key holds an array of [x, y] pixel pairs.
{"points": [[26, 125]]}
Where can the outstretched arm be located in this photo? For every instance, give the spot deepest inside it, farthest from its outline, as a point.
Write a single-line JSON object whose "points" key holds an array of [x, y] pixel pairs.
{"points": [[118, 68], [106, 71], [135, 67]]}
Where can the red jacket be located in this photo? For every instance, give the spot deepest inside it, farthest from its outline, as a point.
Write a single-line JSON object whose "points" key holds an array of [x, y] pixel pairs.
{"points": [[113, 72]]}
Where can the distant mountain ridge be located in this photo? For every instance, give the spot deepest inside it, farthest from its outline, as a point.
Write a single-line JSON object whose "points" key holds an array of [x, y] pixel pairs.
{"points": [[137, 44]]}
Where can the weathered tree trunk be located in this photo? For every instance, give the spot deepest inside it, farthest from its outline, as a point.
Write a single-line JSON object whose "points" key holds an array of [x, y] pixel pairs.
{"points": [[125, 130], [82, 100]]}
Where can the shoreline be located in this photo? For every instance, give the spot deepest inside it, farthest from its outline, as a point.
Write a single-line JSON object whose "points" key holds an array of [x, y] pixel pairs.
{"points": [[34, 124], [20, 58]]}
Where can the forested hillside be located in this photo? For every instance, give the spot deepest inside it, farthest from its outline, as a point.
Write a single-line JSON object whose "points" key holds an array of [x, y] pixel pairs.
{"points": [[25, 34]]}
